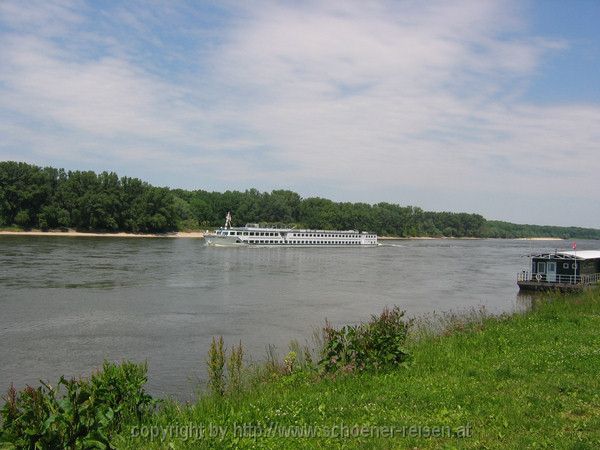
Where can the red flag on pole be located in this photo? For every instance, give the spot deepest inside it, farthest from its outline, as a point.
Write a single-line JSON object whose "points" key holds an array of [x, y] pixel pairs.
{"points": [[574, 245]]}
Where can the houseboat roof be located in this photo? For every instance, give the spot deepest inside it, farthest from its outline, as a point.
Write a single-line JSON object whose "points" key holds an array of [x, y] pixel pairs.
{"points": [[581, 255]]}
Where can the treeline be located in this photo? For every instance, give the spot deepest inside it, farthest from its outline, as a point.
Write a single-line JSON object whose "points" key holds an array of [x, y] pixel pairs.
{"points": [[45, 198], [499, 229], [35, 197]]}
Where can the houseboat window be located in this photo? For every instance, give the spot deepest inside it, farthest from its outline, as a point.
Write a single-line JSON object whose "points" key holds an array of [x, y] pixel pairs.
{"points": [[565, 265], [541, 267]]}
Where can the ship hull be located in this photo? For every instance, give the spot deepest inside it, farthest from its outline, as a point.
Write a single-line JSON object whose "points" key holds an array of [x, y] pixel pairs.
{"points": [[224, 241]]}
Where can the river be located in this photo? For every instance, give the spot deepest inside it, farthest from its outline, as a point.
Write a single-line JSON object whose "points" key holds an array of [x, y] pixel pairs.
{"points": [[68, 303]]}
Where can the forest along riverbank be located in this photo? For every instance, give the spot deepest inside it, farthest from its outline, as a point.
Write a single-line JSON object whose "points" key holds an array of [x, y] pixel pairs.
{"points": [[50, 198]]}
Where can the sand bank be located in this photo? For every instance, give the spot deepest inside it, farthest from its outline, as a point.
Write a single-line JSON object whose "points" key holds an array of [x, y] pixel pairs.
{"points": [[540, 239], [72, 233]]}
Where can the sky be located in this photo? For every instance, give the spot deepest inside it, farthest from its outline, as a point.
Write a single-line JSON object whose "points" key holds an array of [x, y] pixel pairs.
{"points": [[490, 107]]}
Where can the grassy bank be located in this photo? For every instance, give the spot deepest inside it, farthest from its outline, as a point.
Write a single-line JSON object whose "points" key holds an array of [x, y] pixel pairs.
{"points": [[520, 381], [524, 381]]}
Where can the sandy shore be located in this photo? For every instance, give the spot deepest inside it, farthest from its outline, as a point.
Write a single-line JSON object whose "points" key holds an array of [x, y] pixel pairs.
{"points": [[540, 239], [200, 234], [71, 233], [423, 238]]}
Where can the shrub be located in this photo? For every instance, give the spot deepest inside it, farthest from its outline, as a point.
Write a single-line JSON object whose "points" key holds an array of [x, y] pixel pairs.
{"points": [[374, 345], [82, 413]]}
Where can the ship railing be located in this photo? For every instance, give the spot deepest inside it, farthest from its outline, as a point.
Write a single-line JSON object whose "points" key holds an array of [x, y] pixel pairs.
{"points": [[525, 275]]}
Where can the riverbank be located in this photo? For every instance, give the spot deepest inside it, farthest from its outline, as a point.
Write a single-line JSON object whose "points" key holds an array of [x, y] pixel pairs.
{"points": [[540, 239], [525, 380], [520, 381], [426, 238], [200, 234], [73, 233]]}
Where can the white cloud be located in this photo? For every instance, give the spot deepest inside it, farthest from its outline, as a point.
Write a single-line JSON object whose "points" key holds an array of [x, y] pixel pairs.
{"points": [[347, 95]]}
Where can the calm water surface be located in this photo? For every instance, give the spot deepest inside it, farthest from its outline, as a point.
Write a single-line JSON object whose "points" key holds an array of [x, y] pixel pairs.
{"points": [[69, 303]]}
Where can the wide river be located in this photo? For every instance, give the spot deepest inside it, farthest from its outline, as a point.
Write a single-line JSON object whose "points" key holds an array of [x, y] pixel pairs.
{"points": [[68, 303]]}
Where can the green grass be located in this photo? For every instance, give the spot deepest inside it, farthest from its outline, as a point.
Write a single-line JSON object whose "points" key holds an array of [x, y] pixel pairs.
{"points": [[522, 381]]}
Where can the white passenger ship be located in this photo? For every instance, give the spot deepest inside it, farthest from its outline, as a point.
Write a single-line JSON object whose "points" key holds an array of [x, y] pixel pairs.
{"points": [[252, 234]]}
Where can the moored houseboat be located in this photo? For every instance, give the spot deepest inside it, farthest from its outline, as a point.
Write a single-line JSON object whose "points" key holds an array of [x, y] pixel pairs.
{"points": [[562, 270]]}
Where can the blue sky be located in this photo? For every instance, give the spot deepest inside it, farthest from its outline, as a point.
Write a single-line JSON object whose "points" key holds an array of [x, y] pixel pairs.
{"points": [[480, 106]]}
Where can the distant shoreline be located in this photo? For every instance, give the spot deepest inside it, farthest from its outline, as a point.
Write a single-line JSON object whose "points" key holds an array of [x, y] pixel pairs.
{"points": [[72, 233], [540, 239], [200, 235]]}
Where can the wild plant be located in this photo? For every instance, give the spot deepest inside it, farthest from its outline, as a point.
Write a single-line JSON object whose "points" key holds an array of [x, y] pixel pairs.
{"points": [[289, 362], [374, 345], [216, 366], [235, 364], [83, 413]]}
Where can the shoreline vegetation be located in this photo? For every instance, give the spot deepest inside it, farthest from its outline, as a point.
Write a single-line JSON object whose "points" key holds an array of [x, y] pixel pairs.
{"points": [[32, 197], [521, 380], [200, 235]]}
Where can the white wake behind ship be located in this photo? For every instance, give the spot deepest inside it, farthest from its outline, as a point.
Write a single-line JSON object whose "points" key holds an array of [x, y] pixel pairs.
{"points": [[253, 234]]}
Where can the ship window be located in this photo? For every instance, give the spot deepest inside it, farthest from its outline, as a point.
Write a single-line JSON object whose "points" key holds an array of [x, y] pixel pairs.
{"points": [[565, 265], [574, 265], [541, 267]]}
